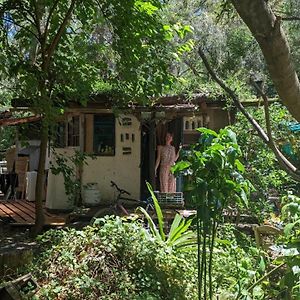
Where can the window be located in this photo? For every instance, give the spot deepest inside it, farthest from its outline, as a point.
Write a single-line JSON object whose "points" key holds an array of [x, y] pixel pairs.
{"points": [[104, 135], [73, 132], [60, 137]]}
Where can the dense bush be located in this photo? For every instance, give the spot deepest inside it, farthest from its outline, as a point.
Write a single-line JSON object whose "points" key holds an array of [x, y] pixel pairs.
{"points": [[113, 259], [120, 259], [116, 259], [261, 165]]}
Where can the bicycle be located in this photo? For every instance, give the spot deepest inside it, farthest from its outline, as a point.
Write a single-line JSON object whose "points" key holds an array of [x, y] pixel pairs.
{"points": [[131, 202]]}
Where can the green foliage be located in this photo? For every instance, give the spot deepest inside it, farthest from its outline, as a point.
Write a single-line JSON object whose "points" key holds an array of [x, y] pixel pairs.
{"points": [[7, 139], [229, 45], [70, 168], [139, 42], [261, 166], [117, 258], [215, 180], [112, 46], [237, 265], [289, 248], [214, 170], [180, 236], [112, 259]]}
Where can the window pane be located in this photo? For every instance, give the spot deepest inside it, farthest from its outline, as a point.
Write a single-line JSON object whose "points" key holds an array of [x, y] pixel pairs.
{"points": [[104, 134], [73, 132], [60, 135]]}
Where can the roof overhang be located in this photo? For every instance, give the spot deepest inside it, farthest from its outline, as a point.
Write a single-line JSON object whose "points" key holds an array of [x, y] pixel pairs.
{"points": [[18, 121]]}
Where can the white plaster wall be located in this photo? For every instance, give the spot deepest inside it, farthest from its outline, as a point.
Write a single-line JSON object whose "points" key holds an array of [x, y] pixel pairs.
{"points": [[124, 170], [56, 196]]}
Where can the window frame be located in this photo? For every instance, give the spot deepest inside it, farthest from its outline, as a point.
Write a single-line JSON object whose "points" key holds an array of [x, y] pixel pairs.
{"points": [[73, 135], [113, 132]]}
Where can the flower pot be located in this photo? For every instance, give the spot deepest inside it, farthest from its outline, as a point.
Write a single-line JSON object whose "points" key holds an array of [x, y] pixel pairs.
{"points": [[91, 196]]}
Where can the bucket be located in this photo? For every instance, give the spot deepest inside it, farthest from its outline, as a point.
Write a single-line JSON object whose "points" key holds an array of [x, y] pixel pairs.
{"points": [[91, 195]]}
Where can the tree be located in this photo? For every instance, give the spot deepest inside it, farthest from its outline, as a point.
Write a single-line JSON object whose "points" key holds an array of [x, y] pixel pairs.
{"points": [[52, 56], [286, 86], [267, 30]]}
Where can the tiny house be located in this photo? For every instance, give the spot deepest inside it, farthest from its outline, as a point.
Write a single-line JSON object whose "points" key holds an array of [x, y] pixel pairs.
{"points": [[124, 143]]}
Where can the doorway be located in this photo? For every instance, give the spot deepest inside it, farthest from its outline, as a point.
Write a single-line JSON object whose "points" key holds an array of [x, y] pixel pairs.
{"points": [[148, 150]]}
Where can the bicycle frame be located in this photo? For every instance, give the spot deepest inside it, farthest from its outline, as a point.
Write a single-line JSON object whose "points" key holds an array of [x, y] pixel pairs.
{"points": [[131, 201]]}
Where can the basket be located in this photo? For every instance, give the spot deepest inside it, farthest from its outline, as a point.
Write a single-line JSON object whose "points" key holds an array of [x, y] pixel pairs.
{"points": [[170, 199]]}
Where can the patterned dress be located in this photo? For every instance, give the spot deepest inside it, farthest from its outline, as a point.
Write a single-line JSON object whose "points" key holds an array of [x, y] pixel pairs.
{"points": [[167, 160]]}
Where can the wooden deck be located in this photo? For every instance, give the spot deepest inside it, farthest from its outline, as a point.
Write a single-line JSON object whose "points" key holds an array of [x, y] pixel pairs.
{"points": [[22, 213]]}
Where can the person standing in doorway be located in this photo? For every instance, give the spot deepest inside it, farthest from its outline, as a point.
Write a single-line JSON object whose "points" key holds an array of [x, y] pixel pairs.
{"points": [[166, 157]]}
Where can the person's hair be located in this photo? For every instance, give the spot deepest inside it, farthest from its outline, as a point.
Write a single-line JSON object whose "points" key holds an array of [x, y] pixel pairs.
{"points": [[170, 134]]}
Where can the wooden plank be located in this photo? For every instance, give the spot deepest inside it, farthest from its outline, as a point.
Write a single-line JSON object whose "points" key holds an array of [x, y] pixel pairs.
{"points": [[23, 214], [11, 213], [16, 121], [3, 214], [50, 219], [19, 212], [31, 206], [28, 212], [54, 222]]}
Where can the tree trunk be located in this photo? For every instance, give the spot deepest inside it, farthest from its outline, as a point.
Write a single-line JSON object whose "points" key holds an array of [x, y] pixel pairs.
{"points": [[267, 30], [40, 182]]}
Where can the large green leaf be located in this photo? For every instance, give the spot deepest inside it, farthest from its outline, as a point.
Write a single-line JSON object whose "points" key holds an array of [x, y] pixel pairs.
{"points": [[186, 240], [239, 166], [151, 223], [180, 166], [207, 131], [175, 224], [289, 227], [181, 229], [160, 217]]}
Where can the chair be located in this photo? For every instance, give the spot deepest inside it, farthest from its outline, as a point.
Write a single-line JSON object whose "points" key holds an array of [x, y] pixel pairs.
{"points": [[21, 168], [265, 235]]}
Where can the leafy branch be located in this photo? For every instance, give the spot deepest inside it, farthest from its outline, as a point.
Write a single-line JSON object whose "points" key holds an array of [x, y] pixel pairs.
{"points": [[266, 137]]}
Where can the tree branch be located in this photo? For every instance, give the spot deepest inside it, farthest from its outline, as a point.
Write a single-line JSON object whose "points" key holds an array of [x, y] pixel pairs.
{"points": [[283, 16], [21, 26], [234, 97], [266, 29], [291, 18], [37, 21], [59, 33], [51, 11], [266, 137], [194, 70], [282, 160]]}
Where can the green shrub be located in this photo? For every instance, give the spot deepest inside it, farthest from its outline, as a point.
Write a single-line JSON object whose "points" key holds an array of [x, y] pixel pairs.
{"points": [[113, 259]]}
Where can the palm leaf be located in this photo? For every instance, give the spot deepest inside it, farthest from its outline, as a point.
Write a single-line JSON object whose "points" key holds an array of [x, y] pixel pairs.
{"points": [[185, 240], [182, 228], [174, 227], [152, 225], [160, 217]]}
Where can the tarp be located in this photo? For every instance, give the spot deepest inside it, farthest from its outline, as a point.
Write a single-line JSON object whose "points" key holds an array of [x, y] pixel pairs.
{"points": [[294, 127]]}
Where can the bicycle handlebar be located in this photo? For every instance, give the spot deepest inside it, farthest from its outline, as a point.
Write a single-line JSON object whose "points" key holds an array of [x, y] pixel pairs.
{"points": [[121, 191]]}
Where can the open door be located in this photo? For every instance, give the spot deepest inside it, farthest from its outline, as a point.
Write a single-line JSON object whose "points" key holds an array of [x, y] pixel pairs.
{"points": [[148, 151]]}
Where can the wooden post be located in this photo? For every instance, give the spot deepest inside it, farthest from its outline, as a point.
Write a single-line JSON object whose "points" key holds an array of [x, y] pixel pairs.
{"points": [[152, 148]]}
